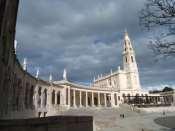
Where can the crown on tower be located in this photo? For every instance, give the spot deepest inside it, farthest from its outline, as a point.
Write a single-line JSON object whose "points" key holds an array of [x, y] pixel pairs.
{"points": [[127, 42]]}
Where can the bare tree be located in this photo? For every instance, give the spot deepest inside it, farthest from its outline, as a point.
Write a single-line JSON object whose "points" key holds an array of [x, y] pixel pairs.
{"points": [[160, 13]]}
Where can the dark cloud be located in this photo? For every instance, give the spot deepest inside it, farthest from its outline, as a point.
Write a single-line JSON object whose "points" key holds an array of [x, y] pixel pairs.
{"points": [[85, 37]]}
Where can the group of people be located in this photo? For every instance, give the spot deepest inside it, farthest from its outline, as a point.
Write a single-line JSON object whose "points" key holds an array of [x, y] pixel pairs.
{"points": [[122, 115]]}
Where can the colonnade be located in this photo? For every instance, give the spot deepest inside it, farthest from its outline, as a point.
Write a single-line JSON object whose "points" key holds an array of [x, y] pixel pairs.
{"points": [[44, 97], [20, 95], [49, 99], [145, 99], [90, 98], [74, 97]]}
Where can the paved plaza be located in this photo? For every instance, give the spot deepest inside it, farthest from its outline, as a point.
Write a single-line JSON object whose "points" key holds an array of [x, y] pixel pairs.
{"points": [[110, 119]]}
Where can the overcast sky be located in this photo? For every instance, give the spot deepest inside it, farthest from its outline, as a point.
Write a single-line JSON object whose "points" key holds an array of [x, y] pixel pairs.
{"points": [[85, 37]]}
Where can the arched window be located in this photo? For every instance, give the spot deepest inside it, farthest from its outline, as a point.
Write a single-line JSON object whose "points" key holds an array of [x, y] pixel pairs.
{"points": [[53, 97], [58, 97], [31, 96], [126, 59], [45, 97], [26, 95], [39, 97]]}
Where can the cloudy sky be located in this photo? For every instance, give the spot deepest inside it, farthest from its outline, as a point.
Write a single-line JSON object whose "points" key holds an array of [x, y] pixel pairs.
{"points": [[85, 37]]}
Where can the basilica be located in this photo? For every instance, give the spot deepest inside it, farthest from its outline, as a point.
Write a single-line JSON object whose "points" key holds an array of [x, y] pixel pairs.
{"points": [[125, 80], [106, 91], [109, 90]]}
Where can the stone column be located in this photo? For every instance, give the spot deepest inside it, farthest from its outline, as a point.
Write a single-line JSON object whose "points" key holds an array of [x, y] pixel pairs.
{"points": [[105, 99], [69, 96], [36, 96], [63, 96], [99, 104], [42, 100], [80, 98], [56, 100], [74, 98], [112, 100], [49, 98], [164, 100], [92, 99], [86, 99]]}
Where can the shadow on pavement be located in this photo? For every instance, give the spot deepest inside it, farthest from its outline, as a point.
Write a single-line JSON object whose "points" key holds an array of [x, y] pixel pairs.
{"points": [[168, 121]]}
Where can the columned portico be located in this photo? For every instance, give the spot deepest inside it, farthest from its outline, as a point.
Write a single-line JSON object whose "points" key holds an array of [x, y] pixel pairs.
{"points": [[78, 98]]}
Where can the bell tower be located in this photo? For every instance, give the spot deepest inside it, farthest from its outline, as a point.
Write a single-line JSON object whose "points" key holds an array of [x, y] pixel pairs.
{"points": [[130, 64]]}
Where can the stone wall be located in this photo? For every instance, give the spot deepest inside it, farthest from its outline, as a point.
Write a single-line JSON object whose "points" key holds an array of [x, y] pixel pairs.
{"points": [[56, 123], [8, 15], [18, 89]]}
